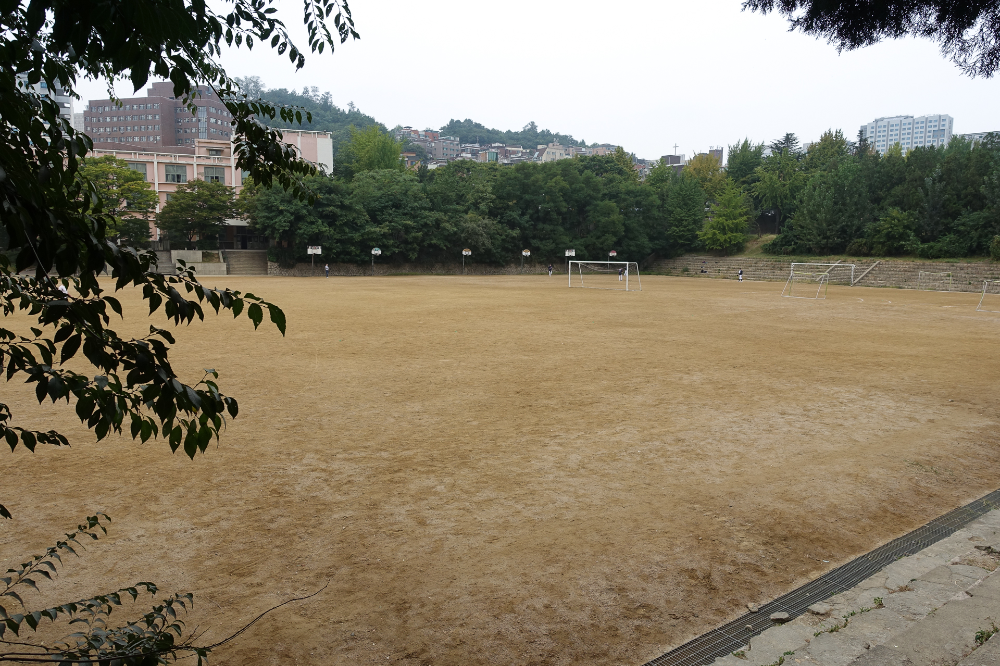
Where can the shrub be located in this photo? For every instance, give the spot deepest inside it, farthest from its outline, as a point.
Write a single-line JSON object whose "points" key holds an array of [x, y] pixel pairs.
{"points": [[950, 245], [995, 248]]}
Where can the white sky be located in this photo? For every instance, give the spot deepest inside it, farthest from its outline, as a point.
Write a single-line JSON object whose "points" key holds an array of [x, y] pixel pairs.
{"points": [[646, 74]]}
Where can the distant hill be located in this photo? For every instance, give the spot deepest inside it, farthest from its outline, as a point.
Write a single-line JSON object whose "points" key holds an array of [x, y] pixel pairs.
{"points": [[326, 116], [469, 131]]}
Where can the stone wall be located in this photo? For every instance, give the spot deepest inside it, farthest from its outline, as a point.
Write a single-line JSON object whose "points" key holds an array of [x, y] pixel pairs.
{"points": [[306, 270], [965, 275]]}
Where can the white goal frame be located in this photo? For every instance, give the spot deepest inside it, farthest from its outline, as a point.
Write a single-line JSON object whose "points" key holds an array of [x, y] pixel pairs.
{"points": [[629, 266], [986, 285], [924, 276], [820, 273]]}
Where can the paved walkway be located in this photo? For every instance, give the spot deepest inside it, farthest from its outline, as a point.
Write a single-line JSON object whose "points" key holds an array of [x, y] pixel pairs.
{"points": [[938, 607]]}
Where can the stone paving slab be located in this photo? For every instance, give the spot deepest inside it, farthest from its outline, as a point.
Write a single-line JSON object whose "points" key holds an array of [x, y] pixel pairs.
{"points": [[987, 655], [932, 607]]}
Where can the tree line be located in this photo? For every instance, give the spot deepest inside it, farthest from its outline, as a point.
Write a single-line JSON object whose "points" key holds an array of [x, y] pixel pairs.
{"points": [[843, 198], [836, 197], [590, 204]]}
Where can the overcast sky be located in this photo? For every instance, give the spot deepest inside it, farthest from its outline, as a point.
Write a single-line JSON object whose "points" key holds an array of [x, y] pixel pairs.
{"points": [[644, 74]]}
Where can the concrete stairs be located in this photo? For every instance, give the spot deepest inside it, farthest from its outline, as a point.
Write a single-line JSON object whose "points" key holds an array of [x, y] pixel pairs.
{"points": [[965, 276], [246, 262], [938, 607], [167, 261]]}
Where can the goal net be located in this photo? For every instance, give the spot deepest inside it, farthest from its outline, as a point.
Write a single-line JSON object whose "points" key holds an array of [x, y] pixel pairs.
{"points": [[807, 280], [990, 300], [616, 275], [928, 281]]}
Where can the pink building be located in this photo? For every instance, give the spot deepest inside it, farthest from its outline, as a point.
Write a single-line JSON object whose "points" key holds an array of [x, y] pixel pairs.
{"points": [[210, 160]]}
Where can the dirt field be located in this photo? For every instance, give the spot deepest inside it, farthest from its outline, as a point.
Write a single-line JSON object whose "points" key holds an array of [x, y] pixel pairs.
{"points": [[504, 470]]}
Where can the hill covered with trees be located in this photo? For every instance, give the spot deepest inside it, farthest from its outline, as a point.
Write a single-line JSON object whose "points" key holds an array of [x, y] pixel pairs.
{"points": [[469, 131], [326, 116]]}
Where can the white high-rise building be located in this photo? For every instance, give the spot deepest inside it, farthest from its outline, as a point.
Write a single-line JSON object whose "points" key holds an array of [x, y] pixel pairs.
{"points": [[60, 95], [909, 132]]}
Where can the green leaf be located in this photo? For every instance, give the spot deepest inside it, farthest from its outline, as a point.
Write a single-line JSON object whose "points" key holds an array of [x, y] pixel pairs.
{"points": [[70, 348], [255, 313], [277, 317]]}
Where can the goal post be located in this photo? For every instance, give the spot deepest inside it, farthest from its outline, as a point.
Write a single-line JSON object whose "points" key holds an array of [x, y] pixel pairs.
{"points": [[990, 300], [931, 281], [811, 280], [614, 275]]}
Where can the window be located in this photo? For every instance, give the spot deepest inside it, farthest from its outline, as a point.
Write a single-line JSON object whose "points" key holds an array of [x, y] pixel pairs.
{"points": [[215, 175], [215, 152], [169, 196], [139, 167], [176, 173]]}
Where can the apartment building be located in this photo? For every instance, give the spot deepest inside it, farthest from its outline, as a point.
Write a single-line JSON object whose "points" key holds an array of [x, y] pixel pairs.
{"points": [[978, 137], [157, 120], [62, 96], [443, 148], [909, 132], [554, 151]]}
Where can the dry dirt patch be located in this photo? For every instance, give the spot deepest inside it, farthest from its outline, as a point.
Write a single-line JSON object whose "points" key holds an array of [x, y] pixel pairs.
{"points": [[501, 469]]}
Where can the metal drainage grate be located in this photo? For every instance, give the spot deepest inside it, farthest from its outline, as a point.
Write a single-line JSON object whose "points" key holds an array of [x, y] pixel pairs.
{"points": [[734, 635]]}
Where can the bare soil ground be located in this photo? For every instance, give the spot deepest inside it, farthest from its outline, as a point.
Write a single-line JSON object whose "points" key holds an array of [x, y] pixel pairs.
{"points": [[504, 470]]}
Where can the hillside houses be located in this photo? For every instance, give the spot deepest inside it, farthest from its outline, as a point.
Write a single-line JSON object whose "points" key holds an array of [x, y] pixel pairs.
{"points": [[443, 149]]}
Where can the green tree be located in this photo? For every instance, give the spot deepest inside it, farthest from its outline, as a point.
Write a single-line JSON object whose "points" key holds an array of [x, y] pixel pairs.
{"points": [[893, 234], [54, 221], [827, 153], [625, 162], [197, 210], [726, 227], [393, 214], [295, 223], [744, 158], [681, 211], [835, 208], [370, 149], [125, 196], [779, 182], [787, 144], [709, 173]]}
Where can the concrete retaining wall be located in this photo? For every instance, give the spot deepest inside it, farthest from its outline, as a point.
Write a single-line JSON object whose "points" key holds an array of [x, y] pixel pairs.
{"points": [[966, 276], [305, 270]]}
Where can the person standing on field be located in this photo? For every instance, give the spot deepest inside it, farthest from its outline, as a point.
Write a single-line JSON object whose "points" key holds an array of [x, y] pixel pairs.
{"points": [[621, 274], [327, 269], [740, 274], [550, 270]]}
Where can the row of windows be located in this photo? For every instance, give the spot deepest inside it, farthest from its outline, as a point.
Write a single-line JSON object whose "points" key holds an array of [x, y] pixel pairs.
{"points": [[128, 128], [129, 139], [222, 112], [127, 107], [177, 173], [122, 119]]}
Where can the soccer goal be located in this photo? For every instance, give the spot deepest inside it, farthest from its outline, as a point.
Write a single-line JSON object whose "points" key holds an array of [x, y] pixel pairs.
{"points": [[990, 300], [617, 275], [928, 281], [807, 280]]}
